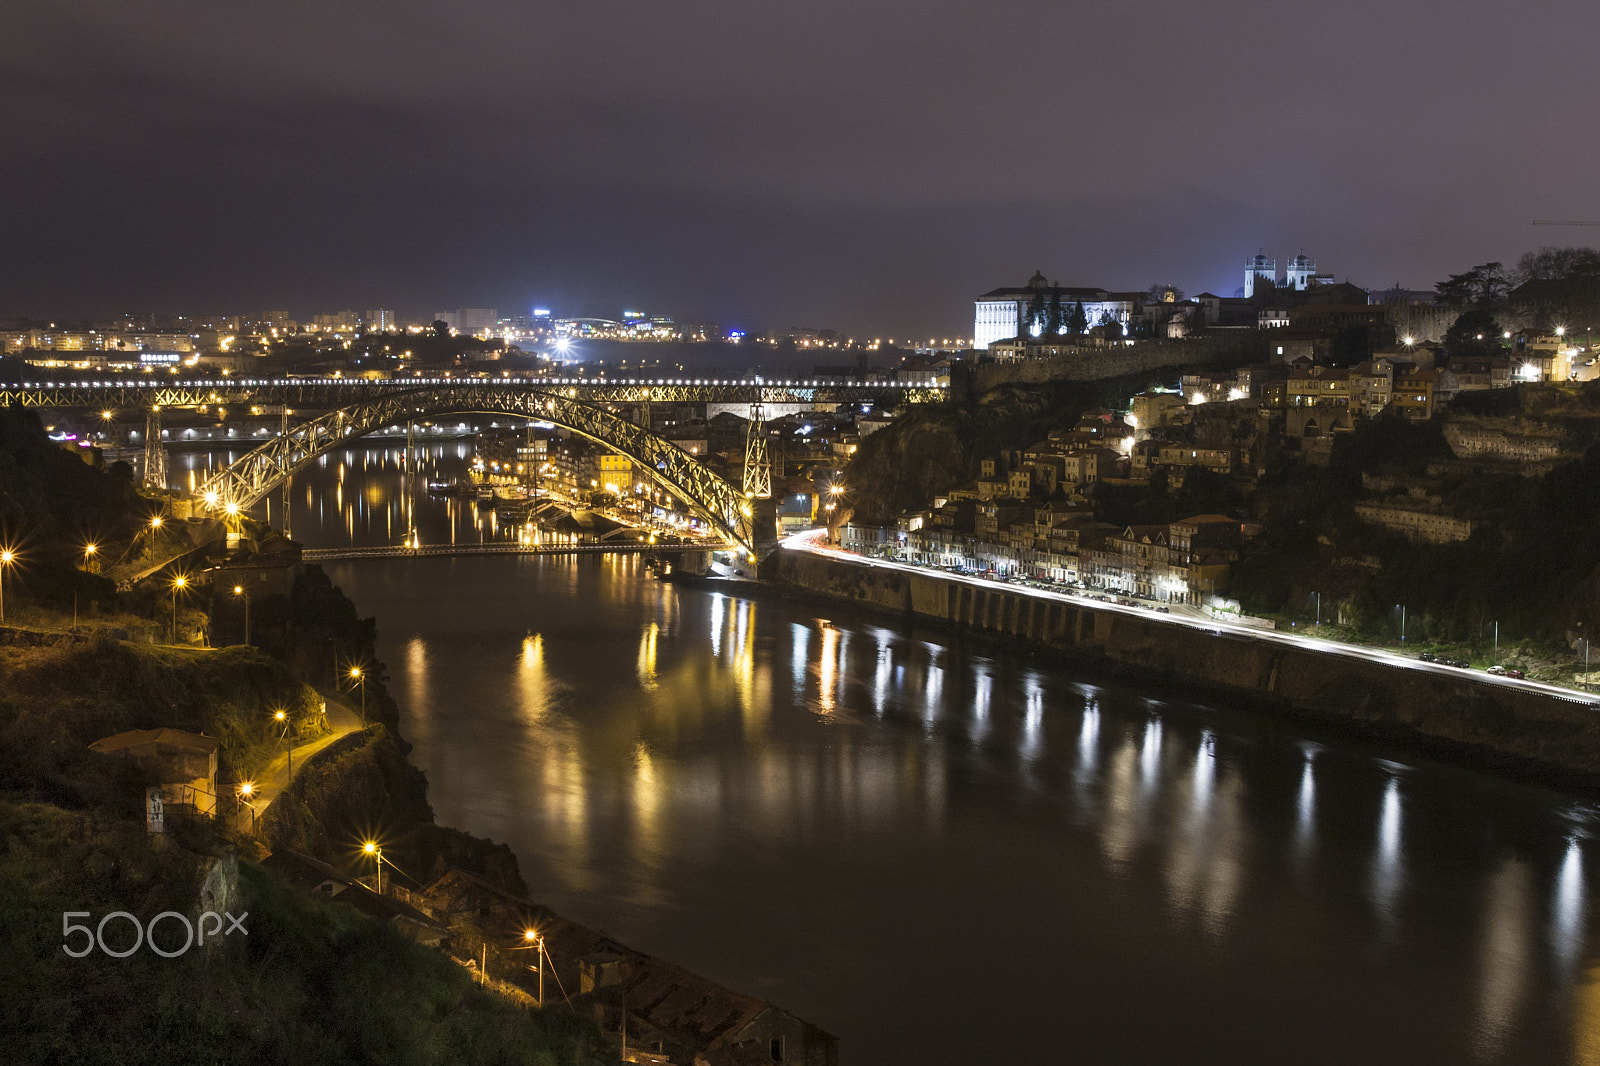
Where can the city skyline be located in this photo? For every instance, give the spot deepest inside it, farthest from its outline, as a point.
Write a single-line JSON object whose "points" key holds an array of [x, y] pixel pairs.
{"points": [[870, 170]]}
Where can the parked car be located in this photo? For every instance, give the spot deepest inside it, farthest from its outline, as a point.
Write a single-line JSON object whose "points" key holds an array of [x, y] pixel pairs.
{"points": [[1515, 673], [1164, 609], [1428, 657], [1497, 671]]}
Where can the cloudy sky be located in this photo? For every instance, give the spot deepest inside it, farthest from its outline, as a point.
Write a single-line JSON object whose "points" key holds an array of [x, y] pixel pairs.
{"points": [[870, 165]]}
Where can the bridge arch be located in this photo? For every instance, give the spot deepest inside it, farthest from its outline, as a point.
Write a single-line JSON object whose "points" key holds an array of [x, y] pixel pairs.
{"points": [[254, 475]]}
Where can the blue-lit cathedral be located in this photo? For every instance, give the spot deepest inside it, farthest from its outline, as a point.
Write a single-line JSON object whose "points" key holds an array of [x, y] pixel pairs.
{"points": [[1298, 275]]}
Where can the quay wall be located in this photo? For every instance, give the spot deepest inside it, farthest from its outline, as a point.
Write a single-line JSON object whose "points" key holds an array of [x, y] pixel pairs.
{"points": [[1457, 713]]}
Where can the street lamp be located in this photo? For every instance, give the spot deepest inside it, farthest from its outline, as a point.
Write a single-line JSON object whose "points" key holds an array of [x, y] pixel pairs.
{"points": [[535, 940], [247, 789], [372, 848], [1402, 622], [288, 744], [238, 590], [361, 679], [6, 557], [179, 583]]}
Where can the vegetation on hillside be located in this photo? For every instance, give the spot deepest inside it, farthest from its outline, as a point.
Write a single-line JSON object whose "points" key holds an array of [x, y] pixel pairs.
{"points": [[309, 981], [312, 981]]}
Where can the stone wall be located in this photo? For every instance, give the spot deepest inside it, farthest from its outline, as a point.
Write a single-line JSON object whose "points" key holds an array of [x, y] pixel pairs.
{"points": [[1095, 362], [1498, 723]]}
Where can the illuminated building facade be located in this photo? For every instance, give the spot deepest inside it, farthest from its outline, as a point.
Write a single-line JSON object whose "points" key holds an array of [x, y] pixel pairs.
{"points": [[1001, 314]]}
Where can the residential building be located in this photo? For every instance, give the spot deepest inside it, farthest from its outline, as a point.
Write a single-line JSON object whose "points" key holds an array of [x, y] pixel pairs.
{"points": [[1425, 526], [184, 764]]}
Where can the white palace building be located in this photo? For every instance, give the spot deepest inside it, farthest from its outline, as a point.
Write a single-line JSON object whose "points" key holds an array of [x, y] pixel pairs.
{"points": [[1000, 313]]}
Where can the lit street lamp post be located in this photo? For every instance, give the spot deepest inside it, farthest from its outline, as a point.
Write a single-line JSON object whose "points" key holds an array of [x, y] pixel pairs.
{"points": [[178, 584], [361, 680], [371, 848], [288, 744], [246, 790], [88, 557], [6, 556], [238, 590], [538, 946]]}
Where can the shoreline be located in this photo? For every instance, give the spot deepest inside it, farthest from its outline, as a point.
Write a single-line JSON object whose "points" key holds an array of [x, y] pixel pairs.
{"points": [[1456, 720]]}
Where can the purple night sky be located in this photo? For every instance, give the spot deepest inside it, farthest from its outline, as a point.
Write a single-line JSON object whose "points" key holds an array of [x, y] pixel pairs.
{"points": [[869, 166]]}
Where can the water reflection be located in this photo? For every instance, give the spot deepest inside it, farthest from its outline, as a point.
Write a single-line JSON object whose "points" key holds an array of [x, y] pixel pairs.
{"points": [[1387, 869], [647, 655], [880, 673], [1032, 716], [815, 798], [1504, 957], [1305, 808], [1089, 740], [828, 671], [1568, 907], [798, 658], [982, 693]]}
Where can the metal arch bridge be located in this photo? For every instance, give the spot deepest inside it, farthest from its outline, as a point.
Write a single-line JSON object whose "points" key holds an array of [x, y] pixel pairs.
{"points": [[112, 394], [254, 475]]}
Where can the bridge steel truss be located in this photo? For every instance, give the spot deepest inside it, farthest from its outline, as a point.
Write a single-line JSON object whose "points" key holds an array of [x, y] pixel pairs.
{"points": [[333, 392], [255, 474]]}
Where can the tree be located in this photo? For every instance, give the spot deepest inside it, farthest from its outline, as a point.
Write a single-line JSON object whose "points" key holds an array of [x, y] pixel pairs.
{"points": [[1165, 294], [1474, 333], [1078, 319], [1054, 317], [1485, 285], [1033, 319], [1557, 264]]}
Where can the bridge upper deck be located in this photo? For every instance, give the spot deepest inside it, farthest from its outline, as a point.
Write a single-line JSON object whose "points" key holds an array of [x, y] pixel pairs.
{"points": [[338, 392]]}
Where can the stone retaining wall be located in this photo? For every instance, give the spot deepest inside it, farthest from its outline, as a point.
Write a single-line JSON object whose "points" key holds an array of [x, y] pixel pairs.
{"points": [[1494, 722]]}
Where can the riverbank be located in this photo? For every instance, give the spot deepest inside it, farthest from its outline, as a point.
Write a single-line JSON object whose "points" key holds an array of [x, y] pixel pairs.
{"points": [[1510, 729]]}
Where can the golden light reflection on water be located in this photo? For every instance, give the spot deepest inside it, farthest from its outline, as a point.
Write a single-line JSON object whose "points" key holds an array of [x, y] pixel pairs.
{"points": [[1586, 1019], [650, 785], [1505, 956], [648, 841], [828, 670], [753, 686], [646, 666], [532, 682]]}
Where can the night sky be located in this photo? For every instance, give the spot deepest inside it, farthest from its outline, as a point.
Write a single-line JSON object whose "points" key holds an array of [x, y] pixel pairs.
{"points": [[865, 165]]}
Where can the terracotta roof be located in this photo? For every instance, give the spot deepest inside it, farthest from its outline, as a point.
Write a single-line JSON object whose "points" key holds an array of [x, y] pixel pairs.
{"points": [[175, 739]]}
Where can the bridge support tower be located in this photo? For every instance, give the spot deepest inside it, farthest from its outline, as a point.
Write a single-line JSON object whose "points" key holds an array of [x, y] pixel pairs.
{"points": [[155, 456], [757, 457]]}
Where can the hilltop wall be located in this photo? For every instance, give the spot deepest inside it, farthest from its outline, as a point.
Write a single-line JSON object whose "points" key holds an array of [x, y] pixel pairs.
{"points": [[1093, 362]]}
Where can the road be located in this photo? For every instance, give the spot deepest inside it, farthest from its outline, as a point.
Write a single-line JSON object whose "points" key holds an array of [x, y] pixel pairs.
{"points": [[811, 541], [342, 721]]}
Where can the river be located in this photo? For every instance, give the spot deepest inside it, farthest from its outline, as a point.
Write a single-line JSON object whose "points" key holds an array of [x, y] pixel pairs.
{"points": [[947, 852]]}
